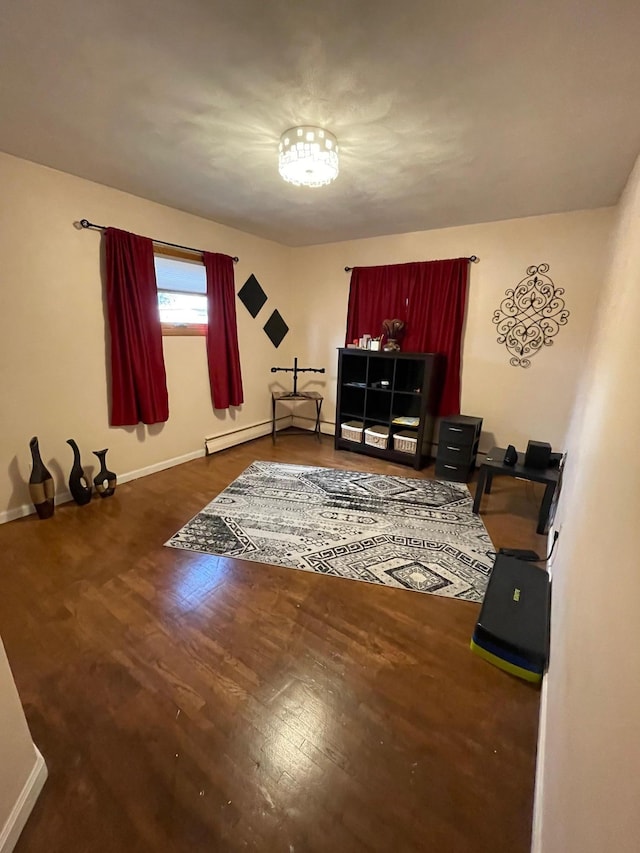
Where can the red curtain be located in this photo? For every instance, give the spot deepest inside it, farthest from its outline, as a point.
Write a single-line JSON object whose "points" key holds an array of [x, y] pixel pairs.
{"points": [[138, 379], [437, 300], [223, 357], [430, 297], [375, 294]]}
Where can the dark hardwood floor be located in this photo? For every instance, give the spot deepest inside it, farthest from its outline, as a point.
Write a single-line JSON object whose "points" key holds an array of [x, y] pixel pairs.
{"points": [[193, 703]]}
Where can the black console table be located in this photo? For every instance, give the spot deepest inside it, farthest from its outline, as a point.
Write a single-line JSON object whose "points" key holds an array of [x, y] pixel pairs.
{"points": [[493, 466]]}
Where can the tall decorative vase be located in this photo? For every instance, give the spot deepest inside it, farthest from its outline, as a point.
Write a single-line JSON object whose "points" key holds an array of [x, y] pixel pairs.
{"points": [[41, 486], [105, 481], [79, 486]]}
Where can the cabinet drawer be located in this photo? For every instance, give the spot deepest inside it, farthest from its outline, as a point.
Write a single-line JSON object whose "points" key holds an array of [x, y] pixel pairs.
{"points": [[456, 433], [456, 453], [451, 471]]}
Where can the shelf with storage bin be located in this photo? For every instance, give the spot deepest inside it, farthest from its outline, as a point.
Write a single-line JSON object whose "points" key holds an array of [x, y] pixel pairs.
{"points": [[377, 436], [386, 386], [352, 431], [405, 441]]}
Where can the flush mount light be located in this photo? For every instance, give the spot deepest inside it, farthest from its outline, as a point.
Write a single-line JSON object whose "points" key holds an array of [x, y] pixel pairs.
{"points": [[308, 156]]}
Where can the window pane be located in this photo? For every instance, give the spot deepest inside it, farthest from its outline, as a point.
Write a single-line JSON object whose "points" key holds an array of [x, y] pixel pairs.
{"points": [[182, 308], [176, 275]]}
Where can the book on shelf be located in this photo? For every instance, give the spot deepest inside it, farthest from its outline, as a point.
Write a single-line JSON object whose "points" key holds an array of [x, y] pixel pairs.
{"points": [[405, 421]]}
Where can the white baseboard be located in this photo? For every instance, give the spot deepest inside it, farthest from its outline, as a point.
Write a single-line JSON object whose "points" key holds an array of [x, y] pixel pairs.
{"points": [[215, 443], [160, 466], [16, 512], [304, 422], [65, 497], [28, 509], [538, 794], [22, 809]]}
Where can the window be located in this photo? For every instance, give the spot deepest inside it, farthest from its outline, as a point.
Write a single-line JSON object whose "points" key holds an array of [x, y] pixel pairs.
{"points": [[182, 288]]}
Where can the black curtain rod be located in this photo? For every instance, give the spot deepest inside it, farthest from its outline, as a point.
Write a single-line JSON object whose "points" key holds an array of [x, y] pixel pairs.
{"points": [[84, 223], [474, 260]]}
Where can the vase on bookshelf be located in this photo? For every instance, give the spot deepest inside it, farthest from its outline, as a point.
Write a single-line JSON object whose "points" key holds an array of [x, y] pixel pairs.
{"points": [[41, 486], [393, 331]]}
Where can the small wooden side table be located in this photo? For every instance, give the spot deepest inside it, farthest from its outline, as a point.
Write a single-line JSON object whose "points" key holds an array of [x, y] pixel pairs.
{"points": [[298, 397]]}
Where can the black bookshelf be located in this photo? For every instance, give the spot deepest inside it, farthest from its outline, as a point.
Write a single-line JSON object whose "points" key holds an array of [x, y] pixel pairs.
{"points": [[377, 387]]}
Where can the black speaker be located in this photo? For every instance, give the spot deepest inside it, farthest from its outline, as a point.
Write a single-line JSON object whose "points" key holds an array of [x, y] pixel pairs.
{"points": [[510, 455], [538, 455]]}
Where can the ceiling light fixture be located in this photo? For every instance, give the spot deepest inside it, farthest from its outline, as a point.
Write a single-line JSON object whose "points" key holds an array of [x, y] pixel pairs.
{"points": [[308, 156]]}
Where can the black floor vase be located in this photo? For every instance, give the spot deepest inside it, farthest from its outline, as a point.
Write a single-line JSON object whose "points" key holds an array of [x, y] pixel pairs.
{"points": [[41, 487], [105, 481], [79, 486]]}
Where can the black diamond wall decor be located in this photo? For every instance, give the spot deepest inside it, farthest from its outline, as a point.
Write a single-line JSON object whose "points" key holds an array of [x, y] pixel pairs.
{"points": [[276, 329], [252, 295]]}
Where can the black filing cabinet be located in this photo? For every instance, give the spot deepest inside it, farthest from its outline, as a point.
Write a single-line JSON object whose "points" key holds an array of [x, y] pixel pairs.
{"points": [[457, 447]]}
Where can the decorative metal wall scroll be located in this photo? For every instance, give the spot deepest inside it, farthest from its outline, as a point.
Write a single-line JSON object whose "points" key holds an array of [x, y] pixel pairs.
{"points": [[530, 315]]}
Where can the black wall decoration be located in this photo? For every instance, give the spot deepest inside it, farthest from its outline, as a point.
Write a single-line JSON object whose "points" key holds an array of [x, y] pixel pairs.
{"points": [[530, 315], [276, 329], [252, 295], [253, 298]]}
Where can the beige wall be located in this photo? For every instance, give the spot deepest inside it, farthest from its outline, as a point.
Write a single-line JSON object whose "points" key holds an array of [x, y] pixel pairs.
{"points": [[18, 758], [516, 404], [590, 760], [53, 376], [52, 329], [53, 384]]}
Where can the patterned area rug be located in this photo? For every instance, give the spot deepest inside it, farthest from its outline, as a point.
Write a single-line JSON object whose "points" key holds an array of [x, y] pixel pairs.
{"points": [[409, 533]]}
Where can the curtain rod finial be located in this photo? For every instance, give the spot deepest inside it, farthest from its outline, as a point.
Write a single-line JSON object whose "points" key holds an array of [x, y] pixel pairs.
{"points": [[474, 259]]}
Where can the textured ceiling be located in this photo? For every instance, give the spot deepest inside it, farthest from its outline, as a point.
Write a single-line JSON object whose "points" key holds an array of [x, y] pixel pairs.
{"points": [[447, 112]]}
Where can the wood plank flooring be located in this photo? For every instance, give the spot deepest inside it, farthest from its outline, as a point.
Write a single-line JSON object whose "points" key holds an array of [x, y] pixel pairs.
{"points": [[192, 703]]}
